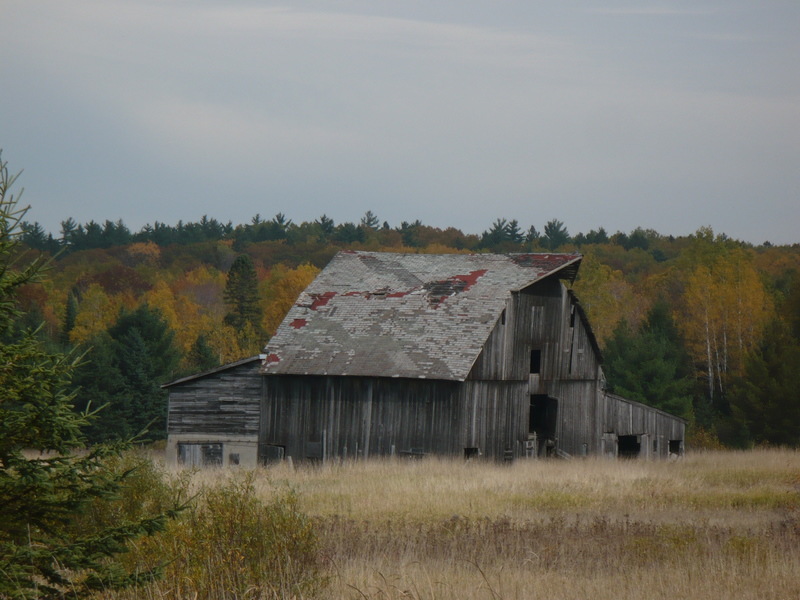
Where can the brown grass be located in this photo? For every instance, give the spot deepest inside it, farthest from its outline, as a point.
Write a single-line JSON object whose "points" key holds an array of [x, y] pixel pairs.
{"points": [[711, 525]]}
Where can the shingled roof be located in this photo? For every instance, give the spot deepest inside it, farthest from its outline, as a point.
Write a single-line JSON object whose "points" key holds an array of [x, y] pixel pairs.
{"points": [[403, 315]]}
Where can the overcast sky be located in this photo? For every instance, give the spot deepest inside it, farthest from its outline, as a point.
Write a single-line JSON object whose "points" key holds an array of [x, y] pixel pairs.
{"points": [[668, 115]]}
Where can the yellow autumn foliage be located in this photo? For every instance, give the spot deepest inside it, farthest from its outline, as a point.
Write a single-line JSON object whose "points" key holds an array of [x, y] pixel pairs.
{"points": [[280, 291]]}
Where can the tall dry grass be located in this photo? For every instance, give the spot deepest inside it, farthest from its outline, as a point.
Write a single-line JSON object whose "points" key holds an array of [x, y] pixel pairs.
{"points": [[711, 525]]}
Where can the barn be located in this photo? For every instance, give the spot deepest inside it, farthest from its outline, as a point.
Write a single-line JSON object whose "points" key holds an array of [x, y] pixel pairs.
{"points": [[412, 354]]}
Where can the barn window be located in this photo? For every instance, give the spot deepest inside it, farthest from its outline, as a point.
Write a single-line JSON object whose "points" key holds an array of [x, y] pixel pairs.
{"points": [[212, 455], [233, 458], [471, 453], [536, 361], [200, 455]]}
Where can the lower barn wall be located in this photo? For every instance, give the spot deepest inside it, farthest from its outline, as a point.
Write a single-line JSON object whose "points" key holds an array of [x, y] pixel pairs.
{"points": [[321, 417], [218, 450]]}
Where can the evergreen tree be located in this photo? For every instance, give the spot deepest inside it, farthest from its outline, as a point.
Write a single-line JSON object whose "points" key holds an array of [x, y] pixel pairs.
{"points": [[70, 312], [241, 294], [201, 355], [43, 554], [370, 220], [765, 402], [124, 372], [497, 235], [650, 365], [555, 235]]}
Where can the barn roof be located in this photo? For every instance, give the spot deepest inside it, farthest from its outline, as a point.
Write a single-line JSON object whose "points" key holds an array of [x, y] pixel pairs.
{"points": [[403, 315], [214, 371]]}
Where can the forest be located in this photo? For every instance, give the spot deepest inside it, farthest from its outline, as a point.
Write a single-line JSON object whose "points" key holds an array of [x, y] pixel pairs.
{"points": [[703, 326]]}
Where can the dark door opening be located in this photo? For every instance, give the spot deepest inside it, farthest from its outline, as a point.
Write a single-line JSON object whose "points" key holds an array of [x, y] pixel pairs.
{"points": [[676, 447], [542, 422], [628, 446], [269, 454]]}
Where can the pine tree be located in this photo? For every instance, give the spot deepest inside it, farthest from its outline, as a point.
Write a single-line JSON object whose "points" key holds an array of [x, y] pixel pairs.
{"points": [[650, 365], [124, 370], [70, 312], [765, 403], [42, 553], [201, 355], [555, 234], [241, 294]]}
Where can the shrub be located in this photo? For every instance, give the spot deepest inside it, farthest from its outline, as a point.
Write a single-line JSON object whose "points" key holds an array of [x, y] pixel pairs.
{"points": [[230, 544]]}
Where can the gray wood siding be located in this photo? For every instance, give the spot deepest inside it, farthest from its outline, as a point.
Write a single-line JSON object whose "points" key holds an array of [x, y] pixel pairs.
{"points": [[358, 417], [222, 402], [625, 417]]}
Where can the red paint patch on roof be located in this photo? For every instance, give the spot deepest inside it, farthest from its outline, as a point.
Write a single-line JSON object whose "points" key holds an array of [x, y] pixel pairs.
{"points": [[321, 299], [397, 294], [298, 323], [471, 278], [272, 358]]}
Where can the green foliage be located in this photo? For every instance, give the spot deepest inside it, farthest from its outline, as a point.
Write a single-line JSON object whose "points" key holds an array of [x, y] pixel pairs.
{"points": [[45, 484], [765, 403], [555, 234], [201, 356], [124, 372], [70, 312], [649, 365], [241, 294], [370, 220]]}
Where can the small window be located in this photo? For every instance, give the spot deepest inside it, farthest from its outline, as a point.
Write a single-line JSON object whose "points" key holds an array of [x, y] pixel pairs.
{"points": [[536, 361], [212, 455], [503, 317], [471, 453], [233, 458]]}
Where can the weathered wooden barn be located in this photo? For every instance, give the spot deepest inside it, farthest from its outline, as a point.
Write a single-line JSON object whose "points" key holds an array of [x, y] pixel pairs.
{"points": [[412, 354]]}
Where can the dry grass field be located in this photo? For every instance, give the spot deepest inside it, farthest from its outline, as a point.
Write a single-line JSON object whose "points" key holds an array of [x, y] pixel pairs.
{"points": [[710, 525]]}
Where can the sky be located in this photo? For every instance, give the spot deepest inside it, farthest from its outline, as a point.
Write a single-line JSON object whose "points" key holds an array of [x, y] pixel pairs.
{"points": [[666, 115]]}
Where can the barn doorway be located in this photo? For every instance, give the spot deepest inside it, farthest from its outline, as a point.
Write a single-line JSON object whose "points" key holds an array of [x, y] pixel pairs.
{"points": [[270, 453], [675, 448], [628, 446], [542, 423]]}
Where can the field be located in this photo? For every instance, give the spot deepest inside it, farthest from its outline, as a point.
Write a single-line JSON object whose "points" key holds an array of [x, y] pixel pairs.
{"points": [[710, 525]]}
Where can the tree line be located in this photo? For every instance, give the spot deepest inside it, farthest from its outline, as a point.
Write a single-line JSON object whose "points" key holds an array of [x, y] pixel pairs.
{"points": [[502, 234], [703, 326]]}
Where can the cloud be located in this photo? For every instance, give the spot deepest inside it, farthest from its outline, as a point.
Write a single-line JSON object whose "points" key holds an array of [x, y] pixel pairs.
{"points": [[456, 118]]}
